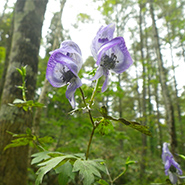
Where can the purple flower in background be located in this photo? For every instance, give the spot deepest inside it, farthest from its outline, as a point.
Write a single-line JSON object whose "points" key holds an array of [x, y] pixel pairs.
{"points": [[171, 166], [110, 53], [63, 67]]}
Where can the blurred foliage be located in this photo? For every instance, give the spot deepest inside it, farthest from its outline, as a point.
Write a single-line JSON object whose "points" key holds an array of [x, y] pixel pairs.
{"points": [[113, 142]]}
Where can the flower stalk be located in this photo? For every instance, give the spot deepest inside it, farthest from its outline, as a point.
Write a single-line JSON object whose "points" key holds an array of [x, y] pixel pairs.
{"points": [[89, 144], [94, 93], [90, 115]]}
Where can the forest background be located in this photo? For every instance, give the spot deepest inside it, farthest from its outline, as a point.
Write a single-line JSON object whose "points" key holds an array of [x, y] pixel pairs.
{"points": [[151, 92]]}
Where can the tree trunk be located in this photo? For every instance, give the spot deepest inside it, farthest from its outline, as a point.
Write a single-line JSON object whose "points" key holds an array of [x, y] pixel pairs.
{"points": [[144, 139], [158, 117], [150, 73], [45, 88], [177, 100], [28, 20], [167, 99], [8, 47]]}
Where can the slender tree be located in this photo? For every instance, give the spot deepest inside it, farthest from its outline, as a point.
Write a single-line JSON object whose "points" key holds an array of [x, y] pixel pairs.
{"points": [[144, 113], [28, 20], [163, 80]]}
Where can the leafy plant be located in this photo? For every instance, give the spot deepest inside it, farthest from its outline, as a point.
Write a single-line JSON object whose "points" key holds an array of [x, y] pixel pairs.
{"points": [[23, 103], [66, 165]]}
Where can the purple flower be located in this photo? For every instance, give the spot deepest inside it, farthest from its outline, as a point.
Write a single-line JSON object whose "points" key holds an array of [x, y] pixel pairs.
{"points": [[63, 67], [110, 53], [171, 166]]}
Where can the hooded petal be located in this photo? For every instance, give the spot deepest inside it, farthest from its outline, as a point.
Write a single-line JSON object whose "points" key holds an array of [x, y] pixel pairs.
{"points": [[70, 49], [104, 34], [75, 83], [58, 67], [73, 51], [65, 60], [118, 49]]}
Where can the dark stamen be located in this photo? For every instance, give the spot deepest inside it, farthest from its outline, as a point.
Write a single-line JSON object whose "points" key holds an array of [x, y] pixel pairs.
{"points": [[67, 76], [109, 62]]}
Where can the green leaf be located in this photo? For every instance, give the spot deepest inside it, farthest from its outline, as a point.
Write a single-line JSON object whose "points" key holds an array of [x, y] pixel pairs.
{"points": [[20, 87], [17, 143], [46, 139], [24, 70], [105, 127], [47, 166], [65, 173], [26, 104], [38, 157], [50, 164], [135, 125], [102, 182], [93, 72], [84, 18], [18, 101], [22, 140], [99, 164], [103, 111], [182, 156], [37, 104], [128, 162], [2, 53], [20, 71], [87, 169]]}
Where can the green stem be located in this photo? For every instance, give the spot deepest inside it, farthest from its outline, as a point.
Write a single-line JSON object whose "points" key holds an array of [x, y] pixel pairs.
{"points": [[120, 174], [94, 93], [110, 179], [90, 116], [23, 88], [89, 144], [89, 111]]}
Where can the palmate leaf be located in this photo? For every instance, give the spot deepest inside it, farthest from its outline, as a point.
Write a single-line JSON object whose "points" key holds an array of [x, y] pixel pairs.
{"points": [[47, 166], [50, 163], [65, 173], [135, 125], [38, 157], [88, 169]]}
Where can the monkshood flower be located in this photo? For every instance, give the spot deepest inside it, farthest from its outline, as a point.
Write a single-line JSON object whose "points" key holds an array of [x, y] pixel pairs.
{"points": [[172, 168], [110, 53], [63, 67]]}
